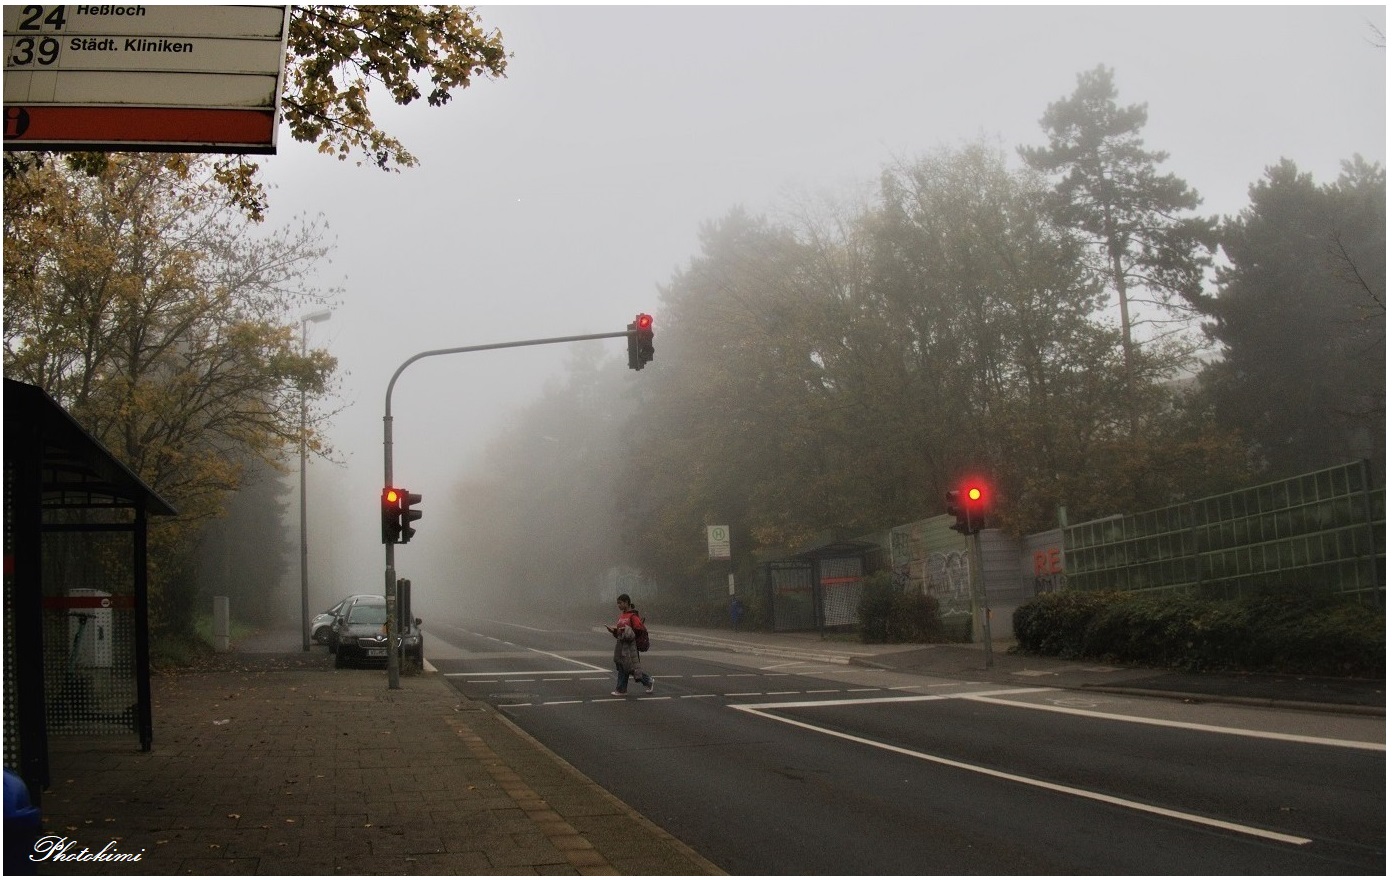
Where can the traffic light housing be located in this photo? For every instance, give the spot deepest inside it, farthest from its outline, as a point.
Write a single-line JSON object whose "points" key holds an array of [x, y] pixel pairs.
{"points": [[641, 340], [409, 515], [975, 506], [969, 505], [392, 524], [954, 506]]}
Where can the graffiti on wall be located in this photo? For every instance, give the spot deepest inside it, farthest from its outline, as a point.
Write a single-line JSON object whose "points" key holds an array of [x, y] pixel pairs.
{"points": [[1048, 574], [944, 575]]}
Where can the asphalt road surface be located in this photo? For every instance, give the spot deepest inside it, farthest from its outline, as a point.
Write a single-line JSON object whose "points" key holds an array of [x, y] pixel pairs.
{"points": [[769, 765]]}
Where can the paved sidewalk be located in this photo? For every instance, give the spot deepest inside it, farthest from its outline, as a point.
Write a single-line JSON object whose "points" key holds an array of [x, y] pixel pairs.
{"points": [[279, 764]]}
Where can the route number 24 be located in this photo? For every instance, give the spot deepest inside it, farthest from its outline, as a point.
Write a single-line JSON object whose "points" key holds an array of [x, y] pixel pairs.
{"points": [[36, 50]]}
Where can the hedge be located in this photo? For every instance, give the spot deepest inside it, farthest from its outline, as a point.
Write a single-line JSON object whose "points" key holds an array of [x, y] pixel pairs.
{"points": [[1291, 631]]}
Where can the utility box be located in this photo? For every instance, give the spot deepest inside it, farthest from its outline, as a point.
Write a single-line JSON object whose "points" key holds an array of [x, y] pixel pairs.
{"points": [[89, 629]]}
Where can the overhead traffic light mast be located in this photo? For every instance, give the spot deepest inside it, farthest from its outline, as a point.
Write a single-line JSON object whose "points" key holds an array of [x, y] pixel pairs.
{"points": [[397, 504]]}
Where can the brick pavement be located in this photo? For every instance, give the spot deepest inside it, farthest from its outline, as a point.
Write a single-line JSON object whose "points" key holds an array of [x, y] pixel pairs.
{"points": [[280, 764]]}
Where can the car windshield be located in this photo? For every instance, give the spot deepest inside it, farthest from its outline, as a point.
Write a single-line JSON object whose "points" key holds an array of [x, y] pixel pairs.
{"points": [[375, 614]]}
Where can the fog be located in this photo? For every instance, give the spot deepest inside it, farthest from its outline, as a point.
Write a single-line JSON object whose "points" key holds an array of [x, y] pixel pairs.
{"points": [[556, 201]]}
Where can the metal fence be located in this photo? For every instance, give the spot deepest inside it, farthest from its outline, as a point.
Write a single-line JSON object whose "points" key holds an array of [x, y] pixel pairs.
{"points": [[1320, 530]]}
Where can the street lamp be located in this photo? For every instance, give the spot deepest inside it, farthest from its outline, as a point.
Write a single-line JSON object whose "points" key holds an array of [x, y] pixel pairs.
{"points": [[317, 316]]}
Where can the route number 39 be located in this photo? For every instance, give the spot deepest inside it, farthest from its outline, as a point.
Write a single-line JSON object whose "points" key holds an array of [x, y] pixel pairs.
{"points": [[27, 50]]}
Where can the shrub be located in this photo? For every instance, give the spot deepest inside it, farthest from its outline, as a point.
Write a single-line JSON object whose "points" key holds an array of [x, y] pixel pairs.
{"points": [[915, 618], [887, 613], [874, 608], [1055, 623]]}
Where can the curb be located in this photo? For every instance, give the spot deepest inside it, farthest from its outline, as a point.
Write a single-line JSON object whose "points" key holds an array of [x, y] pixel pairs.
{"points": [[1188, 697]]}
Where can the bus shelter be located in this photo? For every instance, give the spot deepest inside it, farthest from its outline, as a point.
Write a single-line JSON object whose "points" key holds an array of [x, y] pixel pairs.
{"points": [[77, 639]]}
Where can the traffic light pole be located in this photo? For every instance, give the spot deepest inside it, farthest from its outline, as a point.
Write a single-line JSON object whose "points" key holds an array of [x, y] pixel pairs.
{"points": [[390, 576], [980, 580]]}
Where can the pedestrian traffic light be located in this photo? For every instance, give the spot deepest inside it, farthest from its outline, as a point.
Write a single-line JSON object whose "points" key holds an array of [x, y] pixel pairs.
{"points": [[954, 505], [392, 525], [641, 341], [409, 515]]}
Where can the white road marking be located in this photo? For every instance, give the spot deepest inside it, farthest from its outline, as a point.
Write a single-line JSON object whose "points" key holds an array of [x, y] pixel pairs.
{"points": [[761, 710], [530, 672], [1184, 725], [514, 625]]}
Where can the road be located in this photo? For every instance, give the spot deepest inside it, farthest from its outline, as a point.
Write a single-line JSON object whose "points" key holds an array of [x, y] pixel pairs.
{"points": [[771, 765]]}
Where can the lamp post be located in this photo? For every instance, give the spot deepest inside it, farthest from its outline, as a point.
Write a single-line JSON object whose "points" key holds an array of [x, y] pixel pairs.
{"points": [[317, 316]]}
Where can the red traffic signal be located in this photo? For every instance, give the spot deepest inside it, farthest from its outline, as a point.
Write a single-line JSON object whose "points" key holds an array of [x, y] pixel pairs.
{"points": [[975, 505], [969, 505], [641, 339]]}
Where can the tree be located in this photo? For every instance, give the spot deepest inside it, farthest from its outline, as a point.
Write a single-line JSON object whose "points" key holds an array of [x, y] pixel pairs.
{"points": [[1111, 191], [335, 54], [160, 323], [245, 555], [1300, 315]]}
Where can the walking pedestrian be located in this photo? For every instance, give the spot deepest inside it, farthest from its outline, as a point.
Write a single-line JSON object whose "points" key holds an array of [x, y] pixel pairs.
{"points": [[626, 653]]}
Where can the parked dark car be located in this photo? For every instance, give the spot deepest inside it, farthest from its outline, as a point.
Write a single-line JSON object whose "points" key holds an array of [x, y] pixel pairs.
{"points": [[322, 626], [360, 634]]}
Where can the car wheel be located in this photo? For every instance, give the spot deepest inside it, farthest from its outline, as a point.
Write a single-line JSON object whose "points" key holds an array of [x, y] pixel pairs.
{"points": [[321, 635]]}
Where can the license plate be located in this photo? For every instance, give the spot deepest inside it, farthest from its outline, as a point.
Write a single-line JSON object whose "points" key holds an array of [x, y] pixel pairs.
{"points": [[377, 652]]}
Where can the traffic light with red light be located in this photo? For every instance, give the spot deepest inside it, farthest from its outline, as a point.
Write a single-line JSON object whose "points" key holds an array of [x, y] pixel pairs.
{"points": [[641, 341], [969, 505], [975, 506], [392, 523]]}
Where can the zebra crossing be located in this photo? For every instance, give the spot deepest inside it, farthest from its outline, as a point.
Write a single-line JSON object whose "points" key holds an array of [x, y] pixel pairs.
{"points": [[737, 686]]}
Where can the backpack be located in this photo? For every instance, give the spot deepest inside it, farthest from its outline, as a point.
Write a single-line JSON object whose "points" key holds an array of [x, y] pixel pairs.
{"points": [[641, 634]]}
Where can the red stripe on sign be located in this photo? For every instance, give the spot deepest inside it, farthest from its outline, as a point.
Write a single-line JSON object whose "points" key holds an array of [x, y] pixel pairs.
{"points": [[89, 601], [165, 125], [829, 581]]}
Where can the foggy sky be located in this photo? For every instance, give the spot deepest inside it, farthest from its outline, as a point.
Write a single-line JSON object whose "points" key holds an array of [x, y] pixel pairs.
{"points": [[555, 201]]}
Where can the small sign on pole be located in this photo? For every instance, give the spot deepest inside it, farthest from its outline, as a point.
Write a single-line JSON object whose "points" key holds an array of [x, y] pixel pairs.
{"points": [[718, 542]]}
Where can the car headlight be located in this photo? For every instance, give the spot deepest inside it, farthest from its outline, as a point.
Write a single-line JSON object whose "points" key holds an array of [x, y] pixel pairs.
{"points": [[413, 640]]}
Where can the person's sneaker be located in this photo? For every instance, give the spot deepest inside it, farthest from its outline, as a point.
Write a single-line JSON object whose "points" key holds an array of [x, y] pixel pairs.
{"points": [[617, 693], [650, 689]]}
